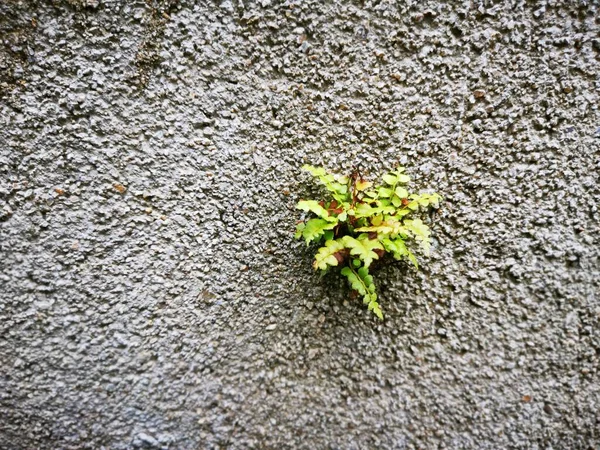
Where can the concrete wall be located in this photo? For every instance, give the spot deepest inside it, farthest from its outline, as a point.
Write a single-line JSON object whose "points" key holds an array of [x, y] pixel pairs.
{"points": [[152, 295]]}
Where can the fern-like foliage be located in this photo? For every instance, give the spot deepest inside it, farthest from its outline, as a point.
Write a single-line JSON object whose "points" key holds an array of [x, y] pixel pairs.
{"points": [[362, 223]]}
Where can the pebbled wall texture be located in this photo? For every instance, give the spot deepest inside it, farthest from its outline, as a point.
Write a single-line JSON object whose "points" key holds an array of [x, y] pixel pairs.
{"points": [[151, 293]]}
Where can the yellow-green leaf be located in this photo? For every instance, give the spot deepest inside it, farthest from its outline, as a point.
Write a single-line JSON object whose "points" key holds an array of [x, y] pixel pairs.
{"points": [[326, 255], [401, 192], [314, 207], [384, 192], [299, 229], [420, 231], [315, 228], [389, 226], [396, 247], [390, 179], [413, 259], [361, 185], [363, 248]]}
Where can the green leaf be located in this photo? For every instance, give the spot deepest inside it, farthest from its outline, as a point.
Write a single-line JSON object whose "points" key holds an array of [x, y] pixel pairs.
{"points": [[384, 192], [388, 226], [401, 192], [432, 199], [384, 228], [326, 255], [342, 179], [376, 220], [396, 247], [314, 171], [396, 177], [418, 228], [362, 282], [340, 188], [374, 306], [361, 185], [421, 233], [363, 272], [313, 206], [366, 210], [423, 200], [390, 179], [414, 205], [299, 229], [363, 248], [362, 210], [413, 259], [402, 212], [337, 185], [315, 228], [356, 283]]}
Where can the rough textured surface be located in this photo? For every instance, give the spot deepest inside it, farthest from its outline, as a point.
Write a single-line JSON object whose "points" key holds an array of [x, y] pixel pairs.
{"points": [[151, 294]]}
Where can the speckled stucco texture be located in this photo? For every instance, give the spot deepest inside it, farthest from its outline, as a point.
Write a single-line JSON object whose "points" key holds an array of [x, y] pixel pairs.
{"points": [[152, 296]]}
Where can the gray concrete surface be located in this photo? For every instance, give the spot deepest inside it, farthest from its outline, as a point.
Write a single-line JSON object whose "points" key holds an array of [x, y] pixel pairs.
{"points": [[152, 295]]}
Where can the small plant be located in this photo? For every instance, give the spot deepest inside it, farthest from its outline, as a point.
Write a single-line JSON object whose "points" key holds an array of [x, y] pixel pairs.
{"points": [[362, 223]]}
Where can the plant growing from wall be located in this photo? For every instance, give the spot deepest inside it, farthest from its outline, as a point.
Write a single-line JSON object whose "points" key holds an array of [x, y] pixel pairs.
{"points": [[361, 223]]}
